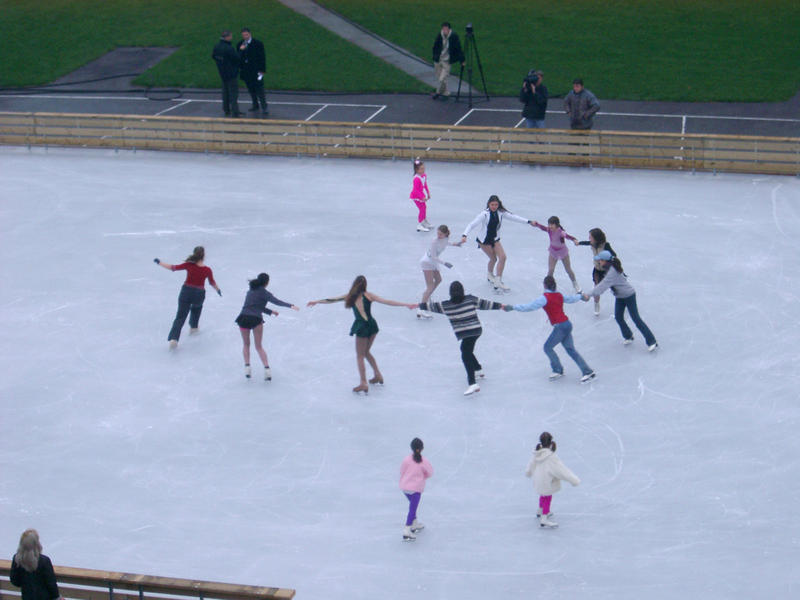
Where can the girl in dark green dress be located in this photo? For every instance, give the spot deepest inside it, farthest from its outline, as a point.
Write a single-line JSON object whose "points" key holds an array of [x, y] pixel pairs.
{"points": [[364, 328]]}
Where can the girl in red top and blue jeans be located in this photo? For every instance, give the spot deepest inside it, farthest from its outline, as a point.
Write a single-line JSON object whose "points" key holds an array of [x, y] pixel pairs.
{"points": [[553, 304], [193, 292]]}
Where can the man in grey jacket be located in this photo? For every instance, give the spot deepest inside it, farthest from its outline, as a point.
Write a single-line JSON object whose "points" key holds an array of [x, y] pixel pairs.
{"points": [[581, 106]]}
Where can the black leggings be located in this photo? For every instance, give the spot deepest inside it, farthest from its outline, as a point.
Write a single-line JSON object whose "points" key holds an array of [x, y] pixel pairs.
{"points": [[471, 363]]}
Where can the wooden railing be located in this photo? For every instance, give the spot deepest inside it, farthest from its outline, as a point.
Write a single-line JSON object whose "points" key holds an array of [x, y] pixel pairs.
{"points": [[690, 152], [107, 585]]}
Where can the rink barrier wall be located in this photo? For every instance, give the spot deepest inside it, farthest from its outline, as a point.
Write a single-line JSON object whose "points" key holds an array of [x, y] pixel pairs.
{"points": [[86, 584], [685, 152]]}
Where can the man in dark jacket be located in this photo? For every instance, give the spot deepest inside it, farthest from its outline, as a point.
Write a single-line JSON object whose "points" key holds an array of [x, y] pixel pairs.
{"points": [[252, 65], [581, 106], [534, 96], [446, 52], [228, 66]]}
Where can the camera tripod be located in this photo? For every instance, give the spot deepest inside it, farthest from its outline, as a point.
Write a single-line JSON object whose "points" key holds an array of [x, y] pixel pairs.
{"points": [[471, 57]]}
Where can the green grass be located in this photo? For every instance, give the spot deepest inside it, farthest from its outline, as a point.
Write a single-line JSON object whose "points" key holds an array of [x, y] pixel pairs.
{"points": [[682, 50], [48, 39], [702, 50]]}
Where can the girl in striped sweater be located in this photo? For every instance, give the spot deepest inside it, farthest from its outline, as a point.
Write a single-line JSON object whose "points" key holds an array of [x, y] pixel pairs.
{"points": [[462, 310]]}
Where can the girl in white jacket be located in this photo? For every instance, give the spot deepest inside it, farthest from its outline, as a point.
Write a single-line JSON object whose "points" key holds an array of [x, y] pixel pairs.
{"points": [[489, 222], [547, 471]]}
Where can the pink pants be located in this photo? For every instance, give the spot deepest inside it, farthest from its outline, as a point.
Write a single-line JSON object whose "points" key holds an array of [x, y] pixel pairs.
{"points": [[544, 504], [421, 206]]}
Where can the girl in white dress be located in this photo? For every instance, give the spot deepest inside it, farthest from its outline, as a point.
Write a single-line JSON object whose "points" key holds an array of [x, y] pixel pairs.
{"points": [[430, 262]]}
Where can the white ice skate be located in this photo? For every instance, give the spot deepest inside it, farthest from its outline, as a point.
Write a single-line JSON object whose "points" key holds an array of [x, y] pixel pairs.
{"points": [[426, 223], [194, 330], [499, 285], [267, 374], [539, 513], [555, 375], [472, 389], [173, 344], [588, 377], [408, 534], [597, 307], [417, 526], [627, 341], [652, 347], [247, 371], [547, 521], [480, 373], [424, 314], [421, 227], [577, 286]]}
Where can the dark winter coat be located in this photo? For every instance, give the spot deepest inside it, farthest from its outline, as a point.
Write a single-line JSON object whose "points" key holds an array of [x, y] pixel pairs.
{"points": [[227, 60], [37, 585], [456, 53], [535, 103], [581, 108], [252, 60]]}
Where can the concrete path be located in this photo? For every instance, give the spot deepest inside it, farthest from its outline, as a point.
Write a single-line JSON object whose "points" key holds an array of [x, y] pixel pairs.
{"points": [[374, 44]]}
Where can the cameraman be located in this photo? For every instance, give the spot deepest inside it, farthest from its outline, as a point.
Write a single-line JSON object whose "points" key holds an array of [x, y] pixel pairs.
{"points": [[534, 96]]}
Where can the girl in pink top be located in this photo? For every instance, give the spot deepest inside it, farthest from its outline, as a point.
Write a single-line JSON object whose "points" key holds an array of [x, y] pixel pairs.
{"points": [[558, 250], [420, 194], [414, 470]]}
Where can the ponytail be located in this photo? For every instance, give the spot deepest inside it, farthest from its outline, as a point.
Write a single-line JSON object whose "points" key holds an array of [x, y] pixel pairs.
{"points": [[197, 255], [416, 447], [617, 264]]}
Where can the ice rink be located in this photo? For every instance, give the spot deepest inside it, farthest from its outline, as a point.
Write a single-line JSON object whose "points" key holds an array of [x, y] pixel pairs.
{"points": [[128, 457]]}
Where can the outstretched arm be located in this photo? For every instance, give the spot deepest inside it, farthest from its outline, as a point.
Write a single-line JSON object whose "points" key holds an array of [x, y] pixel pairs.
{"points": [[375, 298], [327, 300], [161, 263]]}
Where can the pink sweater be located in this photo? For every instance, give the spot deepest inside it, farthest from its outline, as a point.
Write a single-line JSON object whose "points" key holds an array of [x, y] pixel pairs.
{"points": [[414, 474], [419, 189]]}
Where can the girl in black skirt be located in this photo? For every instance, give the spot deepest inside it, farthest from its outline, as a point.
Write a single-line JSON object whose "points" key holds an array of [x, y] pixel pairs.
{"points": [[598, 243], [255, 303]]}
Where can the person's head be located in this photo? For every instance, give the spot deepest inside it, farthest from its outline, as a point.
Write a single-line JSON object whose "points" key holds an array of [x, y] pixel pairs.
{"points": [[577, 85], [226, 35], [359, 287], [416, 448], [597, 238], [197, 255], [446, 29], [442, 232], [29, 550], [419, 166], [606, 260], [456, 292], [494, 204], [549, 283], [259, 282], [553, 223], [546, 441], [540, 74], [246, 35]]}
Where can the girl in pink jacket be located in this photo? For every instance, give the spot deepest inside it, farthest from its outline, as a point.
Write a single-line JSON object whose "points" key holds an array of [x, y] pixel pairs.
{"points": [[547, 471], [414, 470], [420, 194]]}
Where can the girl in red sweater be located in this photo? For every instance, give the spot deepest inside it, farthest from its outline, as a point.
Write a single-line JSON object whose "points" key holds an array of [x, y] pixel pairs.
{"points": [[193, 292]]}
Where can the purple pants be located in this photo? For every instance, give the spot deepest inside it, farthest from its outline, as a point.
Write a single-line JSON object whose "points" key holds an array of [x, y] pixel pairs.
{"points": [[544, 504], [413, 503]]}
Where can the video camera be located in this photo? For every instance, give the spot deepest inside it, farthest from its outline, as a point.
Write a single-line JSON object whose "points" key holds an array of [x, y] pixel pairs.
{"points": [[532, 77]]}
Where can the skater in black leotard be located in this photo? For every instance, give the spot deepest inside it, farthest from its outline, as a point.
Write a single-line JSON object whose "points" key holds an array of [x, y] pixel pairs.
{"points": [[597, 242], [364, 328]]}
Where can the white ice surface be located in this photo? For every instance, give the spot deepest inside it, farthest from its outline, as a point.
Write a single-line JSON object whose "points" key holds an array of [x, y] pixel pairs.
{"points": [[128, 457]]}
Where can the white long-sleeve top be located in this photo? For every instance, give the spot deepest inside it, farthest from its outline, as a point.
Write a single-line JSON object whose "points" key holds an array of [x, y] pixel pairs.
{"points": [[430, 261], [547, 471], [482, 221]]}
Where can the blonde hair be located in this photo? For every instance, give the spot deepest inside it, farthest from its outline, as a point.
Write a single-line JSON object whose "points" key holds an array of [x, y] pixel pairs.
{"points": [[29, 550]]}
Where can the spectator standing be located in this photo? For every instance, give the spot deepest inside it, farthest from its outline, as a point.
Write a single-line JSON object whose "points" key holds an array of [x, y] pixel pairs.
{"points": [[253, 65], [32, 571], [534, 96], [446, 52], [227, 61], [581, 106]]}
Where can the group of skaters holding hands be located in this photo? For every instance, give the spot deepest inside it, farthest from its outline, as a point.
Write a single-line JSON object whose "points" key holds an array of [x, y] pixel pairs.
{"points": [[460, 308]]}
